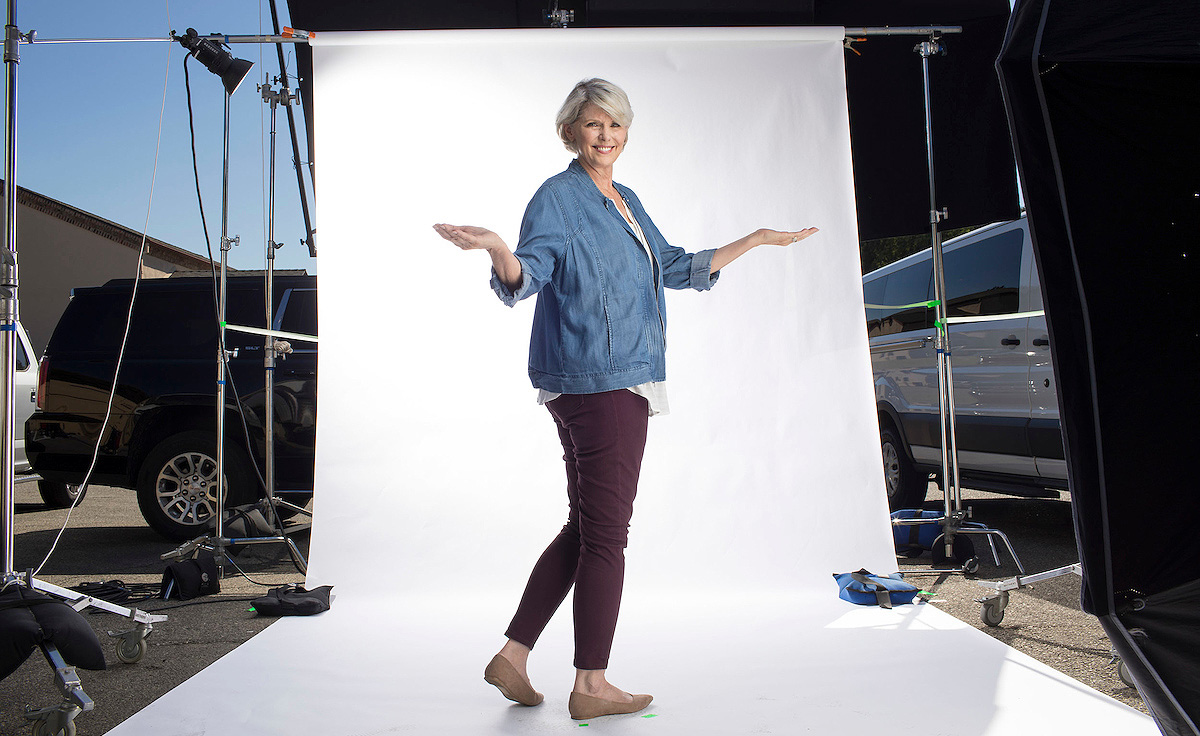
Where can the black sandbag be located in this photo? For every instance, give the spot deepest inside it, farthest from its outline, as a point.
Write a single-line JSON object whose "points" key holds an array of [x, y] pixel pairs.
{"points": [[191, 578], [28, 618], [293, 600]]}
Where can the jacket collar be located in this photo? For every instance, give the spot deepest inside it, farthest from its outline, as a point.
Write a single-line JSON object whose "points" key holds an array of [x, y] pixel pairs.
{"points": [[585, 180]]}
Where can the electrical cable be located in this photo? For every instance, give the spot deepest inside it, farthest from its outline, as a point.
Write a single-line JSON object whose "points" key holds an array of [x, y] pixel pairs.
{"points": [[222, 352], [213, 266], [128, 320], [201, 602], [243, 573]]}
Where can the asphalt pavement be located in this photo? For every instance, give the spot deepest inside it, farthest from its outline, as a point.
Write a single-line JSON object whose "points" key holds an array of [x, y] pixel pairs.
{"points": [[107, 540]]}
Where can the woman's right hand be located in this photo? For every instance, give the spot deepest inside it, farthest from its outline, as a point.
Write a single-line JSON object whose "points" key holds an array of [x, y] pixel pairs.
{"points": [[470, 237]]}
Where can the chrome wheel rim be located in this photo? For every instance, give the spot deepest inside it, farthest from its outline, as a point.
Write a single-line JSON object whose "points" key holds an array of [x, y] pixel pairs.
{"points": [[891, 468], [186, 489]]}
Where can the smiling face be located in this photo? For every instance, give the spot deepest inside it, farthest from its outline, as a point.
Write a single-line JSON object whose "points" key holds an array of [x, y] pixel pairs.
{"points": [[599, 138]]}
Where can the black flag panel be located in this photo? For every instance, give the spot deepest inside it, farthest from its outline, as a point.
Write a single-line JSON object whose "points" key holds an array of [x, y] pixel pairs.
{"points": [[1103, 102]]}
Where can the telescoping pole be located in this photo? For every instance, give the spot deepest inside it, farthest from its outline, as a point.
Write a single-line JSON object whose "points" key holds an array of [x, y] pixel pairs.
{"points": [[941, 331], [8, 287], [269, 355], [222, 355]]}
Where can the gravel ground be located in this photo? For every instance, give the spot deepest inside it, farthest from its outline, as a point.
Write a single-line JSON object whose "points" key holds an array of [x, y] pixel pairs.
{"points": [[1042, 620], [107, 540]]}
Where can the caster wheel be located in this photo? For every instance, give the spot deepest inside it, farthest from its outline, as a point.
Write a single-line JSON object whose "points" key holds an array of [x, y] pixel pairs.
{"points": [[991, 613], [1124, 674], [971, 566], [962, 550], [130, 651], [42, 728]]}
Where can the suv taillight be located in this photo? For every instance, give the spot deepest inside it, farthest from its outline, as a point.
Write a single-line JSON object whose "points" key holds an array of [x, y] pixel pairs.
{"points": [[43, 369]]}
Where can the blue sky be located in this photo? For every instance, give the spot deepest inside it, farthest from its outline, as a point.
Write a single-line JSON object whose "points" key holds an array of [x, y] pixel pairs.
{"points": [[88, 120]]}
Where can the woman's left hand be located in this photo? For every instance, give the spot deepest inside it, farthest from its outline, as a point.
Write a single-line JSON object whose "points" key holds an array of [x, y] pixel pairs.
{"points": [[775, 237]]}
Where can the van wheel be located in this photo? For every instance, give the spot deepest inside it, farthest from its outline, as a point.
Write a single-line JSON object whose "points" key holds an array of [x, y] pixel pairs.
{"points": [[177, 485], [905, 486], [60, 495]]}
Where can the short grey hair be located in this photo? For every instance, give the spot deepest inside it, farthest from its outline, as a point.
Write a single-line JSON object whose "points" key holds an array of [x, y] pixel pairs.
{"points": [[603, 94]]}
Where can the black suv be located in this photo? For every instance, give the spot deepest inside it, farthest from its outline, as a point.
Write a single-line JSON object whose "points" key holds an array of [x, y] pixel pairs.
{"points": [[161, 436]]}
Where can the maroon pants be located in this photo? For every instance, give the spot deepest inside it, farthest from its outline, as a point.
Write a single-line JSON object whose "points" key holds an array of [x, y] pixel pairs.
{"points": [[603, 436]]}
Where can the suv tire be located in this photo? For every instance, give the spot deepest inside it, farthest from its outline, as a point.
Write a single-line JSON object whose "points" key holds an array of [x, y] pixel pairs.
{"points": [[906, 487], [60, 495], [176, 488]]}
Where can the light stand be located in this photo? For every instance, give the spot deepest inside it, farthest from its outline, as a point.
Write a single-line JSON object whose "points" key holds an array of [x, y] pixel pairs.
{"points": [[954, 518], [131, 644], [232, 71], [274, 348]]}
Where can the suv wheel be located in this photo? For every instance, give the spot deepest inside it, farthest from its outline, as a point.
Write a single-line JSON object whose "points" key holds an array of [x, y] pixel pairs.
{"points": [[905, 486], [60, 495], [177, 485]]}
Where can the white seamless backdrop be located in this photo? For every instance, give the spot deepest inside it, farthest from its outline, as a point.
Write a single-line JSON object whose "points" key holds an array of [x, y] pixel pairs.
{"points": [[437, 471], [438, 477]]}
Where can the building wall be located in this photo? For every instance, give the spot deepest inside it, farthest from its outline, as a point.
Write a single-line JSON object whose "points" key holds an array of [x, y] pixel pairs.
{"points": [[54, 257], [60, 248]]}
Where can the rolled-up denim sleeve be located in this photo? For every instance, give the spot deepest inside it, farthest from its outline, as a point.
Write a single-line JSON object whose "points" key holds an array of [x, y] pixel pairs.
{"points": [[701, 277], [543, 241], [683, 270]]}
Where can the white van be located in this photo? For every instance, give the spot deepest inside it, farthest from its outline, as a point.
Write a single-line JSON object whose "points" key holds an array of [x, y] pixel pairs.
{"points": [[25, 385], [1006, 409], [25, 380]]}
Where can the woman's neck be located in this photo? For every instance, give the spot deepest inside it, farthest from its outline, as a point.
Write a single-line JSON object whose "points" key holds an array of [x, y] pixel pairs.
{"points": [[602, 178]]}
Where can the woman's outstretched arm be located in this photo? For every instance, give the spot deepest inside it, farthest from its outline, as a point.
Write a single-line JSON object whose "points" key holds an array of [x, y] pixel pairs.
{"points": [[726, 254], [469, 237]]}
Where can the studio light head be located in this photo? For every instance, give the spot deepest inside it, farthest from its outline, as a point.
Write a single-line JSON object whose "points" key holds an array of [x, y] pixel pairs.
{"points": [[216, 59]]}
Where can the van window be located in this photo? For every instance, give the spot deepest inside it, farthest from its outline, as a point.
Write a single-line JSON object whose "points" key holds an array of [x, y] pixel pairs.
{"points": [[873, 294], [909, 285], [985, 277], [22, 358]]}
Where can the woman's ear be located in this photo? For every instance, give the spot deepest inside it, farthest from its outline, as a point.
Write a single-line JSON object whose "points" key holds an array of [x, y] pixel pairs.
{"points": [[569, 132]]}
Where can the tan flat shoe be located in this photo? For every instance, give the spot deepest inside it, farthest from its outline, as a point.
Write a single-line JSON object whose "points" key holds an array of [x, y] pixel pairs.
{"points": [[509, 682], [584, 707]]}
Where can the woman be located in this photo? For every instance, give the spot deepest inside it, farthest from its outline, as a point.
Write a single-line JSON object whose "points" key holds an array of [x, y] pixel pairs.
{"points": [[598, 265]]}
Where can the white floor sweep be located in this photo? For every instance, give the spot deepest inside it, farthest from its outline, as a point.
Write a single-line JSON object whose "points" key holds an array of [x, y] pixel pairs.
{"points": [[809, 663]]}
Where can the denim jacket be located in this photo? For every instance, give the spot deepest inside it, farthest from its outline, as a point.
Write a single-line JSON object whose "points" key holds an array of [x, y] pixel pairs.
{"points": [[600, 320]]}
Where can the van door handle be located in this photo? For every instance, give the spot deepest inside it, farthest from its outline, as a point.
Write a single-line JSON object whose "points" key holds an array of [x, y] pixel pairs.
{"points": [[1041, 342], [1010, 340]]}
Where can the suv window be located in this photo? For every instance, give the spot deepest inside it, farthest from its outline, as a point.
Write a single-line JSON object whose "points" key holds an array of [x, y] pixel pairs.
{"points": [[985, 277], [96, 325], [298, 312], [172, 324]]}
